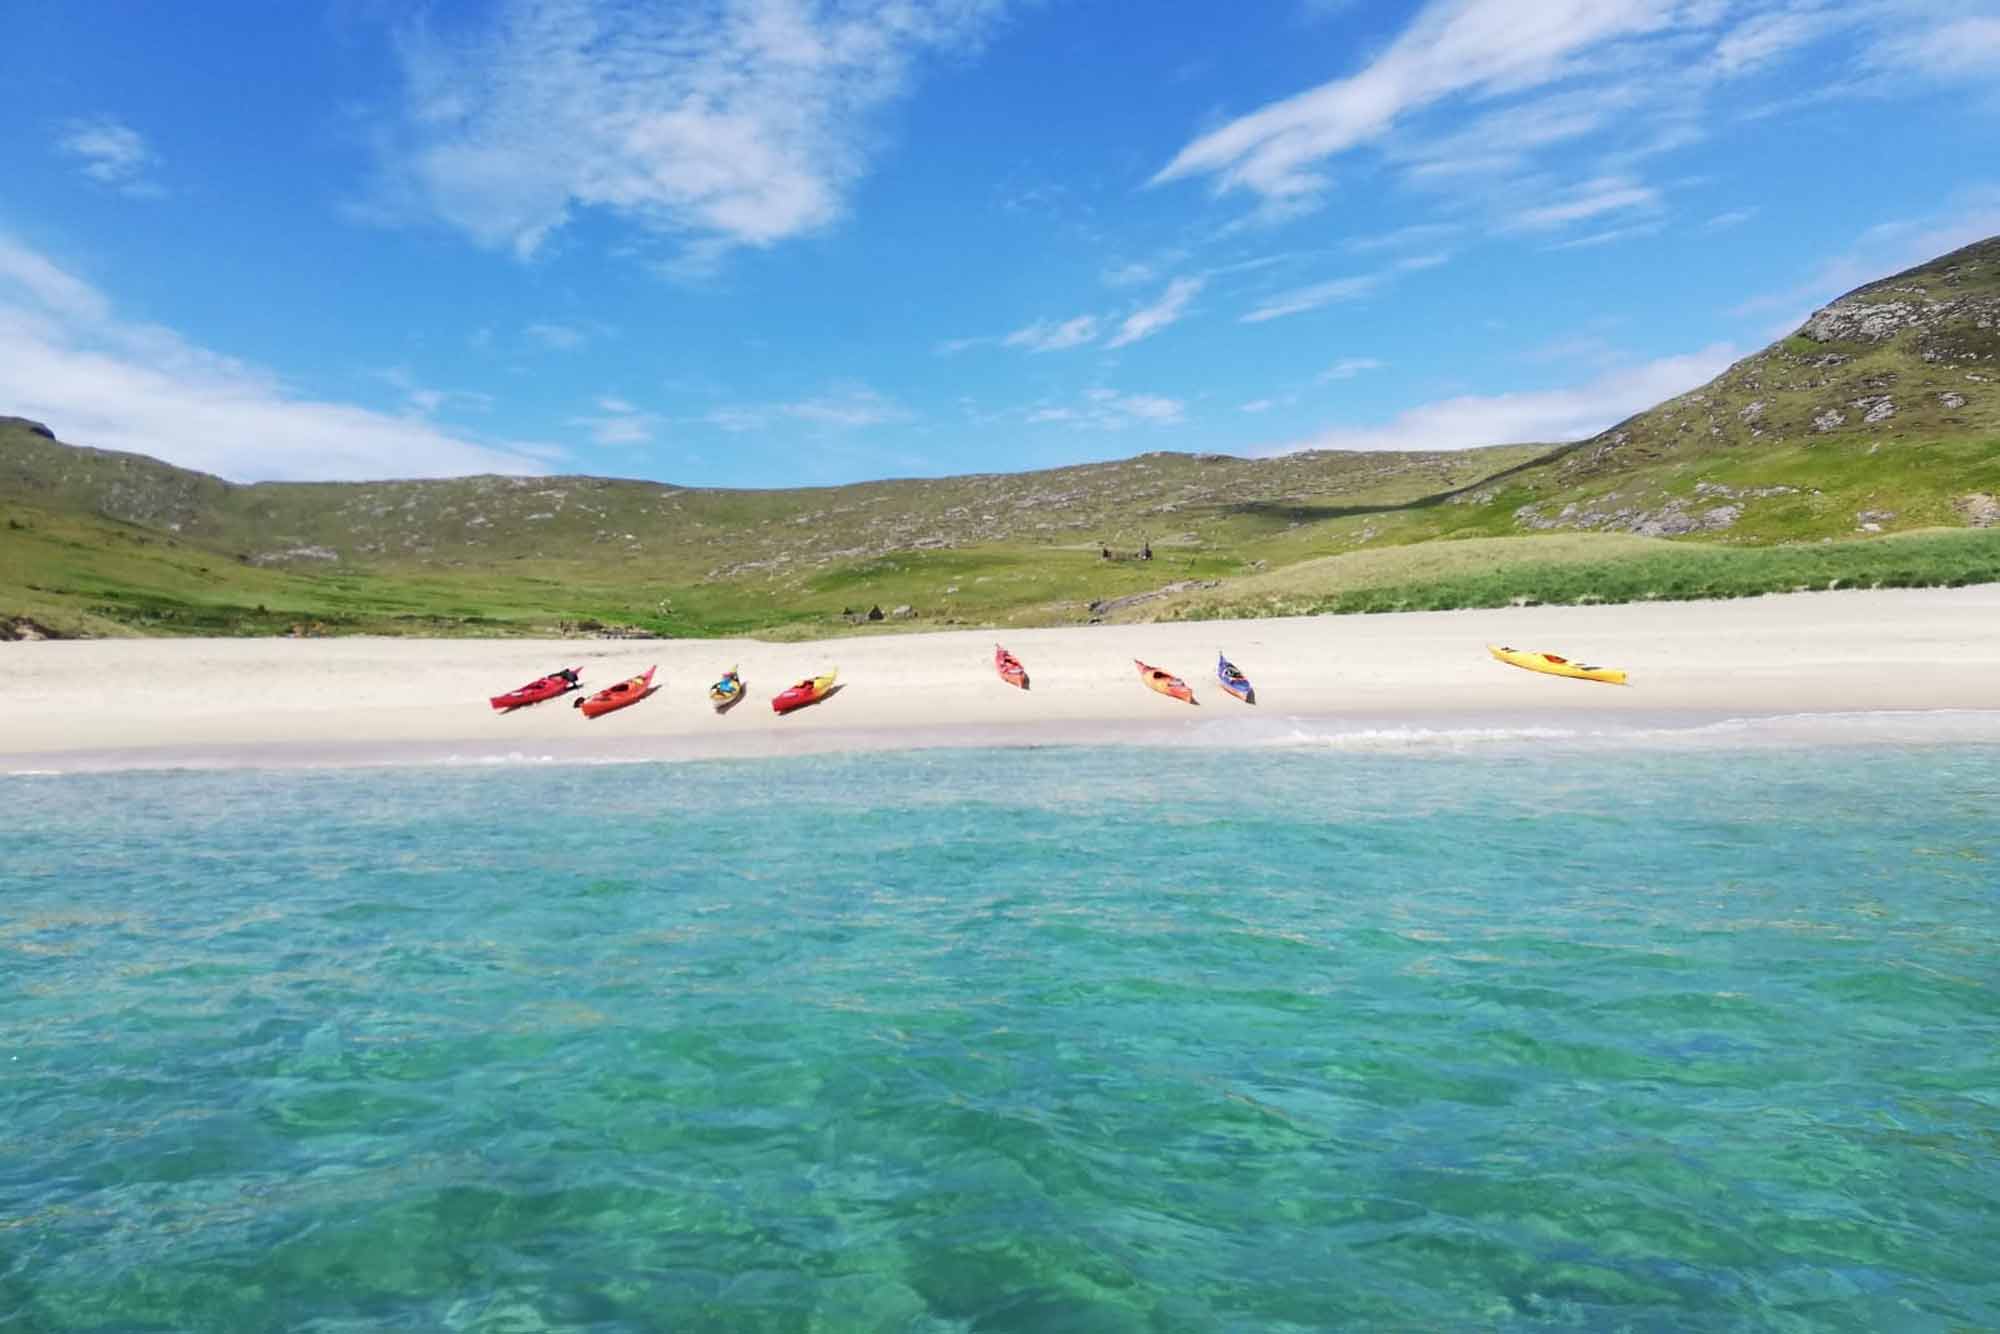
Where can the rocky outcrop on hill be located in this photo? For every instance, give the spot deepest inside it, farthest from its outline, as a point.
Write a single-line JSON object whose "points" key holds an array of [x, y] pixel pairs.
{"points": [[1912, 358]]}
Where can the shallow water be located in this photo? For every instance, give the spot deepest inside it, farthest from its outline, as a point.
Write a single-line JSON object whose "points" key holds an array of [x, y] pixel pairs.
{"points": [[1035, 1040]]}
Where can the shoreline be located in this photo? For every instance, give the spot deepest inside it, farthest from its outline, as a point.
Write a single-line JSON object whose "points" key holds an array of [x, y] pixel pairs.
{"points": [[1906, 666]]}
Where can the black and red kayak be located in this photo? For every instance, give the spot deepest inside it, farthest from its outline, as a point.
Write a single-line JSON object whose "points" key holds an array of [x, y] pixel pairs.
{"points": [[548, 687]]}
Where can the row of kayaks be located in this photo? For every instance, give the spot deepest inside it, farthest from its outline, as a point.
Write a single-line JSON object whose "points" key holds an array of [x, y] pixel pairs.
{"points": [[725, 694], [728, 691]]}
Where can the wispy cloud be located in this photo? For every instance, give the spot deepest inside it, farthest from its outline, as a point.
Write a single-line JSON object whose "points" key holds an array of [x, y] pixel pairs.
{"points": [[1973, 215], [1608, 237], [1149, 320], [1544, 416], [729, 123], [426, 400], [1452, 47], [1347, 368], [1258, 405], [618, 422], [1104, 409], [1950, 49], [844, 407], [1589, 199], [1416, 234], [1050, 336], [556, 337], [67, 358], [114, 154], [1762, 38], [1735, 217], [1300, 299]]}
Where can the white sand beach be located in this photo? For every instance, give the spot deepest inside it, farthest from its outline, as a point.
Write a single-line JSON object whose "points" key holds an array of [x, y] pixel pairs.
{"points": [[103, 704]]}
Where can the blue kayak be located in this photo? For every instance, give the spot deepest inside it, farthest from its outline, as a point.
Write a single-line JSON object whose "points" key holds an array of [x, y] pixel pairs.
{"points": [[1234, 681]]}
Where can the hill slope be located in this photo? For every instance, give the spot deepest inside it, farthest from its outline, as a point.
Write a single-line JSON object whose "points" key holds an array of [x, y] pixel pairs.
{"points": [[1881, 414]]}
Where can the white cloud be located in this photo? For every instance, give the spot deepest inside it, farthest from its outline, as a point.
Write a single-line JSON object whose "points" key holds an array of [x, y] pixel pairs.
{"points": [[1614, 234], [618, 422], [1549, 415], [859, 406], [1453, 46], [1590, 199], [113, 154], [1128, 275], [1347, 368], [1045, 336], [67, 359], [425, 400], [1146, 322], [1110, 410], [844, 407], [1955, 49], [1762, 38], [556, 337], [1416, 263], [1735, 217], [1300, 299], [1258, 405], [1417, 234], [732, 122]]}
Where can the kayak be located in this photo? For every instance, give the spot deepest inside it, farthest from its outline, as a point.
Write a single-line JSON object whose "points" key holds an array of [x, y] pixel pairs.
{"points": [[618, 696], [726, 693], [1234, 681], [1555, 666], [1164, 682], [1010, 668], [809, 691], [548, 687]]}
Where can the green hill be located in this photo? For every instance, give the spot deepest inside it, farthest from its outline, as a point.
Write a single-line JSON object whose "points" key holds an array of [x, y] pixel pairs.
{"points": [[1880, 417]]}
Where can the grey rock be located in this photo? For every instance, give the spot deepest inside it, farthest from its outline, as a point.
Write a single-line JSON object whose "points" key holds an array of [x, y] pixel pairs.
{"points": [[1951, 400], [1979, 510], [1828, 420]]}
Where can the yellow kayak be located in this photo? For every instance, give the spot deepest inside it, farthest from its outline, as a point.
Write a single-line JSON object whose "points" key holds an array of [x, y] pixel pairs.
{"points": [[1554, 666]]}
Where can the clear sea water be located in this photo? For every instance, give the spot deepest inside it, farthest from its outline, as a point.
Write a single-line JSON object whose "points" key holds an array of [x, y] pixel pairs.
{"points": [[1052, 1040]]}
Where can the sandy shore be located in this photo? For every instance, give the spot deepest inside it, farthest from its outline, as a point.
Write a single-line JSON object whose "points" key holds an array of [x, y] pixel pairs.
{"points": [[144, 703]]}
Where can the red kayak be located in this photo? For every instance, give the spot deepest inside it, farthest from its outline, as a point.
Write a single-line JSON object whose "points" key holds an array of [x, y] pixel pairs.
{"points": [[1010, 668], [555, 683], [809, 691], [618, 696]]}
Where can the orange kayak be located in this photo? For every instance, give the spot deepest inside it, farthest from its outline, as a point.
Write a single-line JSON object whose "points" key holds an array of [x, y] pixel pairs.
{"points": [[618, 696], [1010, 668], [1164, 682]]}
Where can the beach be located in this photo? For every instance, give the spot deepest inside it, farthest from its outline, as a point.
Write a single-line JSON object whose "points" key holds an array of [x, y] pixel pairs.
{"points": [[145, 703]]}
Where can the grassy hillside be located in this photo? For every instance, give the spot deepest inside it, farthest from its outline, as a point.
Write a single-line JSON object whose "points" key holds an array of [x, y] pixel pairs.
{"points": [[1876, 423]]}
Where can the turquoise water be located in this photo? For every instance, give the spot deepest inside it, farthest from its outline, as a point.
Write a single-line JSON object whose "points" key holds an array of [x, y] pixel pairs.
{"points": [[1051, 1040]]}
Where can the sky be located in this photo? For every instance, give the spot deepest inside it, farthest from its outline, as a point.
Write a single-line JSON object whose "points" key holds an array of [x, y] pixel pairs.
{"points": [[802, 242]]}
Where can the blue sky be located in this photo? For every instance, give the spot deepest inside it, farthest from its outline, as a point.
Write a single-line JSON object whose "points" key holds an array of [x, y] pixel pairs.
{"points": [[780, 242]]}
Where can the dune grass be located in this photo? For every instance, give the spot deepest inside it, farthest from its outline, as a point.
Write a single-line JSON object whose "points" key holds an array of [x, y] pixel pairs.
{"points": [[1582, 569]]}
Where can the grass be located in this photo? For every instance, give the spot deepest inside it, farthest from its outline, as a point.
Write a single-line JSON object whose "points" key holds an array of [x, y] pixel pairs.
{"points": [[1569, 572]]}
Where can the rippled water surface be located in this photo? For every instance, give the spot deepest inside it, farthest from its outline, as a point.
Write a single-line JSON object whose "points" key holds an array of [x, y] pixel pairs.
{"points": [[1053, 1040]]}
